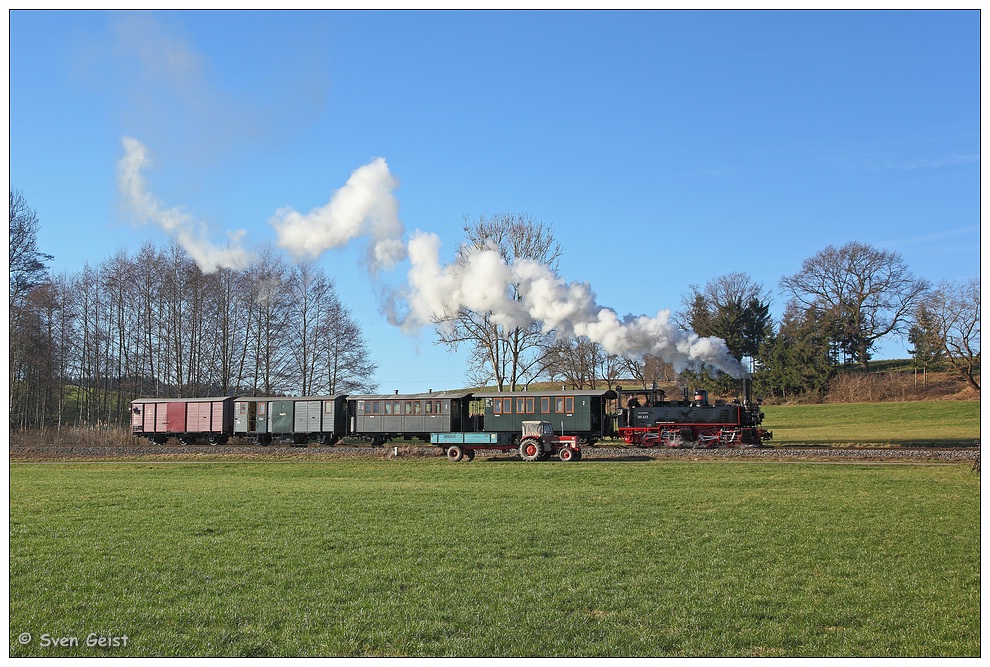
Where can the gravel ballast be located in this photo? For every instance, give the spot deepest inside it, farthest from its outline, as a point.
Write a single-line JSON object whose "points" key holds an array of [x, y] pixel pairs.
{"points": [[851, 454]]}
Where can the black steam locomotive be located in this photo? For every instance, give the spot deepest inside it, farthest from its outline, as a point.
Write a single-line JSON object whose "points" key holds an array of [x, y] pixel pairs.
{"points": [[647, 419]]}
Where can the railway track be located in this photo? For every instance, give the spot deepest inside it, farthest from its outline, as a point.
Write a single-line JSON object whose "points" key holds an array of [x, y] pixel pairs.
{"points": [[49, 452]]}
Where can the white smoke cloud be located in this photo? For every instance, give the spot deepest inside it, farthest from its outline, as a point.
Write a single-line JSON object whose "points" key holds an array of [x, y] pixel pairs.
{"points": [[483, 282], [364, 206], [188, 232]]}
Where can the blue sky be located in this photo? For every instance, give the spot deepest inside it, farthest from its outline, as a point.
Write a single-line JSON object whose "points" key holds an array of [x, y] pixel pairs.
{"points": [[665, 148]]}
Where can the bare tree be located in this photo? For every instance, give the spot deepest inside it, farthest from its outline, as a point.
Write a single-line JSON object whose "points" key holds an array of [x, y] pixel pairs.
{"points": [[952, 310], [502, 355], [581, 363], [649, 370], [870, 292], [27, 271], [270, 312], [348, 364], [27, 263], [329, 353]]}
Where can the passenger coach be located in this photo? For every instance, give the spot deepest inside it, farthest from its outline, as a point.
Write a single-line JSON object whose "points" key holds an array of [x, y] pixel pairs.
{"points": [[577, 412], [379, 418]]}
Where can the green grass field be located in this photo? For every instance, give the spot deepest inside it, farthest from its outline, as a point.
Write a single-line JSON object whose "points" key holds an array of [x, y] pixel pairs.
{"points": [[931, 423], [495, 558]]}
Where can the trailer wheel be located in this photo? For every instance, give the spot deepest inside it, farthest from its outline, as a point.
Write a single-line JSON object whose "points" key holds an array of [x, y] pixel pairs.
{"points": [[469, 455], [566, 454], [529, 449], [455, 453]]}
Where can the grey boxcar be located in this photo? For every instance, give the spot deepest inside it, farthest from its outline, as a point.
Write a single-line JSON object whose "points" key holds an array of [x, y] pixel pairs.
{"points": [[299, 419]]}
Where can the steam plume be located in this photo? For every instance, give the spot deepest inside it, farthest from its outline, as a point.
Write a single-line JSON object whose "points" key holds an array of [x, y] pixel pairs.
{"points": [[364, 206], [189, 233], [482, 282]]}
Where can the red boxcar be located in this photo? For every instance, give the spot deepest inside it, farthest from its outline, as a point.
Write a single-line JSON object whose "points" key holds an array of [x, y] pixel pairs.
{"points": [[187, 419]]}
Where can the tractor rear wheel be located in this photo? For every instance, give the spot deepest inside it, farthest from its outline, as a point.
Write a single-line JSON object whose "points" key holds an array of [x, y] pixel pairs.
{"points": [[529, 449]]}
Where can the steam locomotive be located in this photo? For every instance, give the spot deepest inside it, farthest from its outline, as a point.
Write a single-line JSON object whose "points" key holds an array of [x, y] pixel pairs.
{"points": [[649, 420], [641, 417]]}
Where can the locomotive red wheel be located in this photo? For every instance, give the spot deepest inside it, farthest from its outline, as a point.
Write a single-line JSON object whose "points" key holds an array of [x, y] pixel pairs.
{"points": [[708, 437]]}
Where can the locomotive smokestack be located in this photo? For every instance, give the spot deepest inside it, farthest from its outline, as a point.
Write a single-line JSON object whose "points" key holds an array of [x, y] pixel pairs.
{"points": [[747, 384]]}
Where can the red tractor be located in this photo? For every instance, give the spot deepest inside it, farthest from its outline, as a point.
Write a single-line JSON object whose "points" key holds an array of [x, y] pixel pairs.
{"points": [[539, 443]]}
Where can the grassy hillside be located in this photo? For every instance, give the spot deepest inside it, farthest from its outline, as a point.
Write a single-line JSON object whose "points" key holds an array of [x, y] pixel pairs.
{"points": [[902, 423]]}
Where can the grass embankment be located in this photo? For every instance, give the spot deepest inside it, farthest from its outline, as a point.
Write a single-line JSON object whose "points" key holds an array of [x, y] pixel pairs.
{"points": [[495, 558], [931, 423]]}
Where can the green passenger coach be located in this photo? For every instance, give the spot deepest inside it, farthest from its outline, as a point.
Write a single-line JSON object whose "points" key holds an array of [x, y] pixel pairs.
{"points": [[576, 412]]}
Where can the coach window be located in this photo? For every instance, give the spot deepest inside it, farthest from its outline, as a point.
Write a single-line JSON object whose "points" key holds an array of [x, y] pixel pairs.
{"points": [[558, 406], [408, 407], [569, 404], [545, 405], [520, 406], [388, 407], [396, 407], [507, 406], [439, 407], [530, 406], [376, 408], [497, 406], [417, 407]]}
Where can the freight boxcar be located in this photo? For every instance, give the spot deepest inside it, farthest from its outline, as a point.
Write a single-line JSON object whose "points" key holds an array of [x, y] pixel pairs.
{"points": [[296, 419], [188, 419], [379, 418], [578, 412]]}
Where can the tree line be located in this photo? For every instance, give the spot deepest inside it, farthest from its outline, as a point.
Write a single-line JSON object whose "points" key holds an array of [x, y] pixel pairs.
{"points": [[839, 306], [83, 345]]}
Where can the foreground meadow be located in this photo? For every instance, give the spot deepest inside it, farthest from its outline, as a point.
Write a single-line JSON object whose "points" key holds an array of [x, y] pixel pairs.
{"points": [[494, 558]]}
